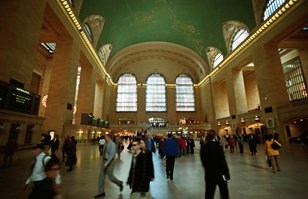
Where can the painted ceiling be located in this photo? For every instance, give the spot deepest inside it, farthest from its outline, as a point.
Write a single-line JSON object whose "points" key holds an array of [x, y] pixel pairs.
{"points": [[195, 24]]}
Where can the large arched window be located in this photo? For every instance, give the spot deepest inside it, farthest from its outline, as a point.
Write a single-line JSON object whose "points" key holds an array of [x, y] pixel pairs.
{"points": [[271, 7], [127, 93], [156, 93], [185, 98], [238, 38], [217, 59], [88, 31]]}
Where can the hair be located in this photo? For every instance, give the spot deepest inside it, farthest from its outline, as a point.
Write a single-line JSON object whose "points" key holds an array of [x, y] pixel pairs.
{"points": [[169, 135], [53, 161], [145, 144], [136, 140], [269, 136], [211, 134]]}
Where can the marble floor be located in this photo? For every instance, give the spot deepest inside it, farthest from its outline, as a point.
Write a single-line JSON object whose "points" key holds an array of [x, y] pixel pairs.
{"points": [[251, 177]]}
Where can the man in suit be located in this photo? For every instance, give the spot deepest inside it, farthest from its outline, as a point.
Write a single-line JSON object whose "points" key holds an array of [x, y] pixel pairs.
{"points": [[216, 168], [54, 145], [107, 167]]}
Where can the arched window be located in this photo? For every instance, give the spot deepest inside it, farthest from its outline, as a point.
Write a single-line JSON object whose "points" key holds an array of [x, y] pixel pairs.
{"points": [[156, 93], [271, 7], [185, 98], [127, 93], [217, 59], [238, 38], [88, 31]]}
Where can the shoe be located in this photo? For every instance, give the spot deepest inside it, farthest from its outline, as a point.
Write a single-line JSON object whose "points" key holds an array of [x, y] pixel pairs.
{"points": [[69, 170], [121, 186], [274, 171], [100, 195]]}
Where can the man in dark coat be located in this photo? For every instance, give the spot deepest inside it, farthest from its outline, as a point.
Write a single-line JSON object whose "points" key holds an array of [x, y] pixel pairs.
{"points": [[54, 145], [216, 168], [139, 173], [171, 150], [9, 151]]}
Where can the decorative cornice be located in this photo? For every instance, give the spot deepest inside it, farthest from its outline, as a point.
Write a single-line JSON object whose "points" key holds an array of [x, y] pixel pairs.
{"points": [[254, 37]]}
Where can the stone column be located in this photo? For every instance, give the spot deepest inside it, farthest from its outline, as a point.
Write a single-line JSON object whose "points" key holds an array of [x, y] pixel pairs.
{"points": [[207, 103], [99, 99], [20, 30], [269, 75], [62, 86], [171, 105], [85, 102], [239, 92]]}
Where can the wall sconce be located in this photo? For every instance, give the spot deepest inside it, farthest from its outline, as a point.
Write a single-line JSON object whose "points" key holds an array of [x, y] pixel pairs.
{"points": [[227, 122], [242, 120], [218, 123], [257, 118]]}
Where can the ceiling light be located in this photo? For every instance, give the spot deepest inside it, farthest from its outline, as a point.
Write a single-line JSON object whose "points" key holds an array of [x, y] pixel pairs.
{"points": [[251, 64]]}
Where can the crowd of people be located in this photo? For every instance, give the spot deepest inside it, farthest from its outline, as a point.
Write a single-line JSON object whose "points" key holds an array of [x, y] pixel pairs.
{"points": [[45, 167]]}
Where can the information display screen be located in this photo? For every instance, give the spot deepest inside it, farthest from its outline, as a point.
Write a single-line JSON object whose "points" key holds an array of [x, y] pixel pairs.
{"points": [[18, 99]]}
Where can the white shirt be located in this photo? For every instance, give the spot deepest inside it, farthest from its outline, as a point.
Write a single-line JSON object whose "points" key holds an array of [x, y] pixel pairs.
{"points": [[38, 172], [101, 141]]}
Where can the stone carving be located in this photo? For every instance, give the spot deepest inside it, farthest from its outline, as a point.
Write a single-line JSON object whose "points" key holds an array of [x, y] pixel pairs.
{"points": [[104, 53], [96, 23], [229, 28], [211, 52]]}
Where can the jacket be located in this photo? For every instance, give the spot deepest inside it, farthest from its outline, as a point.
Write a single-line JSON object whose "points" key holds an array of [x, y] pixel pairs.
{"points": [[141, 174], [213, 161], [171, 147], [268, 147]]}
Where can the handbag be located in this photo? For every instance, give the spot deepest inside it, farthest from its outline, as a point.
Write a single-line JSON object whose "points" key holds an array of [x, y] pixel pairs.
{"points": [[275, 146]]}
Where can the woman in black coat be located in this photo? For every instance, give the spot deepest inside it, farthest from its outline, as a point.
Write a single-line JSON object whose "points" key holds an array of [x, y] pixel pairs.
{"points": [[71, 155], [142, 171]]}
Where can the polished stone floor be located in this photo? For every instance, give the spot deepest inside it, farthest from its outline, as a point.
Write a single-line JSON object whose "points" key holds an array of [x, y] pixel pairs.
{"points": [[251, 177]]}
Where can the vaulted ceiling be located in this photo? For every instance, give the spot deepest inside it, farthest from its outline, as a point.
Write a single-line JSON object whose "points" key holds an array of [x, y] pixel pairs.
{"points": [[195, 24]]}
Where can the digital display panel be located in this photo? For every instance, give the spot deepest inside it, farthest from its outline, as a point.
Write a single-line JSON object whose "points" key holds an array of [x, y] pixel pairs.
{"points": [[18, 99]]}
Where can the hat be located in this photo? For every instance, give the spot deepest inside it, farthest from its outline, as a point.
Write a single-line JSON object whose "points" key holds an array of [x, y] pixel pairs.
{"points": [[38, 146]]}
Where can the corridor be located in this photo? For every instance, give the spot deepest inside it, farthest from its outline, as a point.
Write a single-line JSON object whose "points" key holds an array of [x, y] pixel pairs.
{"points": [[250, 176]]}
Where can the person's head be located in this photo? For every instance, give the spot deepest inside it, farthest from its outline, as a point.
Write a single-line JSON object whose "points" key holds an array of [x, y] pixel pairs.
{"points": [[52, 168], [107, 138], [169, 135], [37, 149], [269, 136], [136, 146], [143, 145], [211, 135]]}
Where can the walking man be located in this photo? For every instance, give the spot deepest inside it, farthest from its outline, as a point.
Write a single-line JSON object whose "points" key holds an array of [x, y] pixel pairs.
{"points": [[107, 167], [216, 168], [38, 168], [171, 151]]}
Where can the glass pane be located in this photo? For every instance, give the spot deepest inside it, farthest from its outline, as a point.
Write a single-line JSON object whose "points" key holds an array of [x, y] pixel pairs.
{"points": [[185, 98], [156, 93], [127, 93]]}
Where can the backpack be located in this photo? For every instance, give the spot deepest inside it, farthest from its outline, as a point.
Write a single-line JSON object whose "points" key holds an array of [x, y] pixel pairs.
{"points": [[275, 146], [43, 160]]}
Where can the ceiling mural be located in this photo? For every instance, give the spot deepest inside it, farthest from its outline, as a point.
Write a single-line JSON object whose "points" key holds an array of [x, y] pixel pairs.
{"points": [[195, 24]]}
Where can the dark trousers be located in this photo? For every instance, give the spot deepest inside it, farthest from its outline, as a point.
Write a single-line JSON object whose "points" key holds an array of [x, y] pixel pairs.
{"points": [[192, 151], [211, 187], [170, 166], [240, 145], [6, 157]]}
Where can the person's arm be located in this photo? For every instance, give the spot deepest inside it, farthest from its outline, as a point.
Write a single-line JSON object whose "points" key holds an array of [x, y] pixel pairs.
{"points": [[223, 164]]}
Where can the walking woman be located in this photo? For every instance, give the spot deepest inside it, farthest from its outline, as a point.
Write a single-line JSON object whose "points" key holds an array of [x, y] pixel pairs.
{"points": [[271, 152], [148, 163]]}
